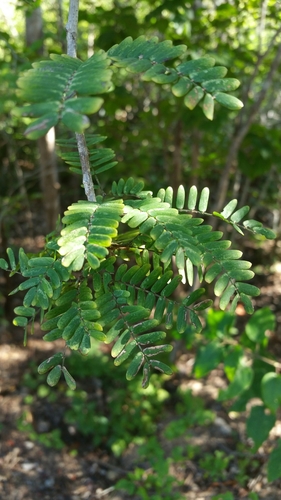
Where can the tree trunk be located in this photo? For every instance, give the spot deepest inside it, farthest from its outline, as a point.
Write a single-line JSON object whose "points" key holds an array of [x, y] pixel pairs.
{"points": [[46, 144]]}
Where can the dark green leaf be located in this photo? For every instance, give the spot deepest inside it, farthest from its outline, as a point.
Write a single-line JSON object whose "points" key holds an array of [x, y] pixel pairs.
{"points": [[271, 390], [49, 363], [261, 321], [69, 379], [274, 463], [54, 376], [259, 424], [135, 366]]}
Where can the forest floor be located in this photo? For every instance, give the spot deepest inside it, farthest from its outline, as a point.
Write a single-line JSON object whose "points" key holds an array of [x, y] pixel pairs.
{"points": [[30, 470]]}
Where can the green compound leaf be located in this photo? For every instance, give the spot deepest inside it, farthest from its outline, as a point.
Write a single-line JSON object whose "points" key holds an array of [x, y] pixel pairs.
{"points": [[47, 82]]}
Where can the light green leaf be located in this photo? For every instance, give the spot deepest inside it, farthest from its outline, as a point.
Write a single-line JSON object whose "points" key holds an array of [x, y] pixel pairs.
{"points": [[229, 101], [180, 200], [226, 296], [247, 289], [75, 121], [221, 85], [204, 198], [239, 214], [196, 65], [87, 105], [208, 74], [192, 198], [229, 209], [208, 106], [41, 126], [193, 97], [221, 284], [182, 87]]}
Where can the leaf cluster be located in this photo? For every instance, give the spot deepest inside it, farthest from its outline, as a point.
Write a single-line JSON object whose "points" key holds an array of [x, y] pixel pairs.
{"points": [[114, 271], [66, 89], [84, 287]]}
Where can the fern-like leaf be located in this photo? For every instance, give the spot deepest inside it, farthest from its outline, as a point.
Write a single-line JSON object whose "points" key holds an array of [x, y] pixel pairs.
{"points": [[62, 89]]}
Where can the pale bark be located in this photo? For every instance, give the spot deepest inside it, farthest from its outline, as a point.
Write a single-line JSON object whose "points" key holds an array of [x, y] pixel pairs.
{"points": [[49, 178], [46, 144], [72, 30]]}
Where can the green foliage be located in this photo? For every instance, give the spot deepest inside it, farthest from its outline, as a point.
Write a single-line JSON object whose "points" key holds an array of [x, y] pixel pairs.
{"points": [[62, 88], [114, 272], [215, 465], [248, 367], [156, 483]]}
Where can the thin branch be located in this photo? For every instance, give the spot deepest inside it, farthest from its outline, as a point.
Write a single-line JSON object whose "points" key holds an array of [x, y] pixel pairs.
{"points": [[72, 29]]}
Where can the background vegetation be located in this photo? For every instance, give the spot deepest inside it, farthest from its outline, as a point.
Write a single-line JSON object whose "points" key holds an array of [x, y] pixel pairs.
{"points": [[160, 141]]}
